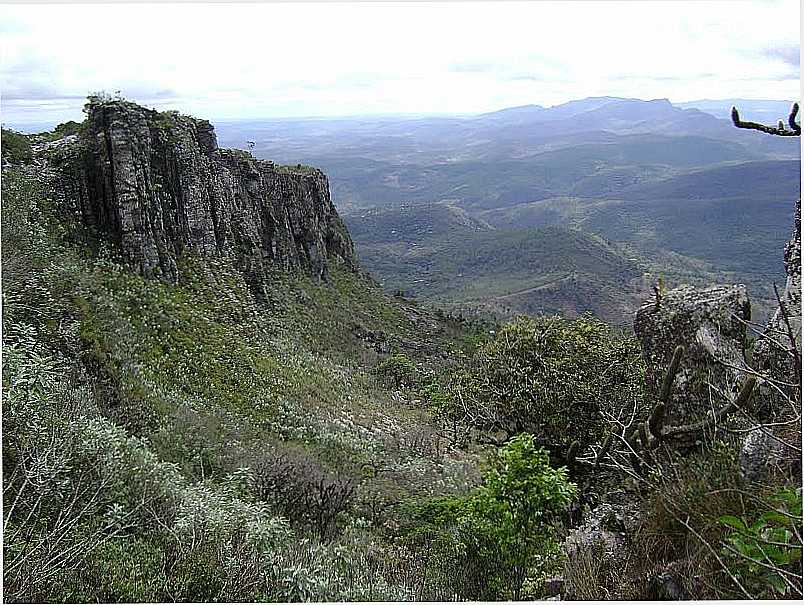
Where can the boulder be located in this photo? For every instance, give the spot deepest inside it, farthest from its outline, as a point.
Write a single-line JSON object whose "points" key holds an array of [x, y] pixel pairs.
{"points": [[601, 542], [775, 448], [770, 450], [710, 324]]}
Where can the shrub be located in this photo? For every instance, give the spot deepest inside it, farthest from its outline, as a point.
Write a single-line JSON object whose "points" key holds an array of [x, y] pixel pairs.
{"points": [[517, 507], [503, 536], [398, 371], [308, 494], [16, 147], [550, 377], [701, 530], [764, 551], [72, 482]]}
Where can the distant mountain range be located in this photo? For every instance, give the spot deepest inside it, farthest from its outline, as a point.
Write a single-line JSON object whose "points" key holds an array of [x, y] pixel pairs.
{"points": [[511, 156], [755, 110]]}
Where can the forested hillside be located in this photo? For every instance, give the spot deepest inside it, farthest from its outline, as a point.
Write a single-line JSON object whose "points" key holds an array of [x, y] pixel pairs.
{"points": [[694, 199]]}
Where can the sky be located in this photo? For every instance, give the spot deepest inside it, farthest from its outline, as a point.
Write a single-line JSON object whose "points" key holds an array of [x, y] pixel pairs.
{"points": [[249, 60]]}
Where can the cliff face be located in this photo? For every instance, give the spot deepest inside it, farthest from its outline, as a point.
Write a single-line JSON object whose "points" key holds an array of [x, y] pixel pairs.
{"points": [[157, 185]]}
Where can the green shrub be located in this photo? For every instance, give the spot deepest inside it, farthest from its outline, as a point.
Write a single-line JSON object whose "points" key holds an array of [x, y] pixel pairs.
{"points": [[550, 377], [764, 551], [398, 371], [16, 147], [516, 509], [504, 536]]}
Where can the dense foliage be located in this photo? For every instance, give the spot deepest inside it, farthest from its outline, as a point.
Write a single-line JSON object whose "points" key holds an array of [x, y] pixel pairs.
{"points": [[16, 147], [551, 377]]}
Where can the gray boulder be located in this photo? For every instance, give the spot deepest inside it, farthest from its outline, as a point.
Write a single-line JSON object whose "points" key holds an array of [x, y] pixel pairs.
{"points": [[597, 550], [710, 324]]}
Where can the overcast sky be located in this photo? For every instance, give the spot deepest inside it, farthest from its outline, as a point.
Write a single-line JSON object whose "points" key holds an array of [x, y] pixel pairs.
{"points": [[279, 59]]}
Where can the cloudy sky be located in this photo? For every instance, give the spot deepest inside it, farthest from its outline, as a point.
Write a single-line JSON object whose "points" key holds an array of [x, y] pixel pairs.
{"points": [[243, 60]]}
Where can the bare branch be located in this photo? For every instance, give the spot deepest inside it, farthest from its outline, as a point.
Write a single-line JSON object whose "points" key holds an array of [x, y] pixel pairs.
{"points": [[779, 131]]}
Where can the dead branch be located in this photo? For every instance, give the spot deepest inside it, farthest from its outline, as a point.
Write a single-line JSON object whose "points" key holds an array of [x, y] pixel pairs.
{"points": [[779, 131]]}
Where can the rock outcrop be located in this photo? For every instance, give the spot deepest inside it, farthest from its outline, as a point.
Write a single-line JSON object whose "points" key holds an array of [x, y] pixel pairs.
{"points": [[158, 186], [710, 325], [775, 448], [777, 355]]}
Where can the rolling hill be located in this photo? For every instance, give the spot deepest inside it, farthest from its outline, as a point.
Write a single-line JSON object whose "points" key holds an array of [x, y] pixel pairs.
{"points": [[512, 156], [437, 253]]}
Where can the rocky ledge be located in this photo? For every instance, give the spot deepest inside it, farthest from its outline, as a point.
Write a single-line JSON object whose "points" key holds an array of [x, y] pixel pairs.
{"points": [[157, 185]]}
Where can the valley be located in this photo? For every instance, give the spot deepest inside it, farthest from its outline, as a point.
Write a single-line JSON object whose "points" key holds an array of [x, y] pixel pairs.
{"points": [[674, 190], [208, 396], [398, 302]]}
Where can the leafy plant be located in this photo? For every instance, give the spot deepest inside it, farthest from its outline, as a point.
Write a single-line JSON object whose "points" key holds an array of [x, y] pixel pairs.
{"points": [[398, 370], [518, 506], [765, 550], [550, 377], [505, 534]]}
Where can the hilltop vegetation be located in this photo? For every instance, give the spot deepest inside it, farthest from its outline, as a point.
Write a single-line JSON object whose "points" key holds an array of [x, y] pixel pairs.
{"points": [[194, 408]]}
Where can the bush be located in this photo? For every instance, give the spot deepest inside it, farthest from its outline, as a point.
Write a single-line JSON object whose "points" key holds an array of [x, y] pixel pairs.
{"points": [[521, 500], [16, 147], [764, 551], [504, 535], [398, 371], [550, 377], [309, 495], [67, 128], [72, 482]]}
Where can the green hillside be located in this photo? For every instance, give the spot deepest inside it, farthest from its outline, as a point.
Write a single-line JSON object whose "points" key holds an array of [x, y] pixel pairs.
{"points": [[412, 223], [169, 392], [441, 255], [293, 435], [500, 180]]}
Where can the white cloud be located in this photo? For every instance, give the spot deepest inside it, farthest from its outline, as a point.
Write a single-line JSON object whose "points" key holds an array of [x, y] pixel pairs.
{"points": [[248, 60]]}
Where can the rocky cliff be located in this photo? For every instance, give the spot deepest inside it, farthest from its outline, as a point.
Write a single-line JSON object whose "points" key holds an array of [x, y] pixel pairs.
{"points": [[158, 186]]}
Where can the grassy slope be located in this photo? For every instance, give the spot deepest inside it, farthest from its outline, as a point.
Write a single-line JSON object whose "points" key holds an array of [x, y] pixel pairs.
{"points": [[205, 356], [209, 378]]}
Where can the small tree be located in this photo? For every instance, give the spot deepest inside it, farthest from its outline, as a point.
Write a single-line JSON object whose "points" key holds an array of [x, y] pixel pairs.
{"points": [[516, 510], [550, 377]]}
